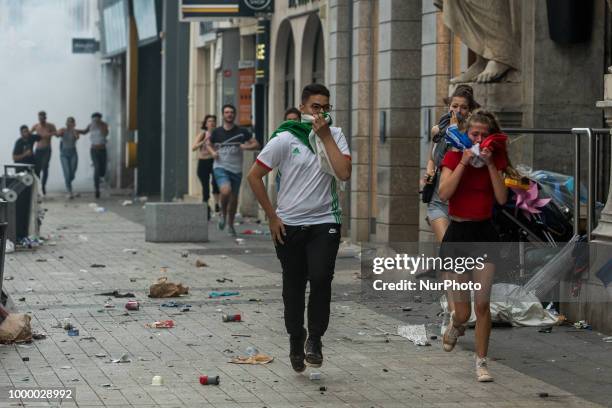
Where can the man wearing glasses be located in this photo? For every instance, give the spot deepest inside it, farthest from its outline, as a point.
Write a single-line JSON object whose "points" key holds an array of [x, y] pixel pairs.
{"points": [[305, 226]]}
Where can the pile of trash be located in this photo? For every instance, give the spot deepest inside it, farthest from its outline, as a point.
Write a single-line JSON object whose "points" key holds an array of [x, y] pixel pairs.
{"points": [[514, 305]]}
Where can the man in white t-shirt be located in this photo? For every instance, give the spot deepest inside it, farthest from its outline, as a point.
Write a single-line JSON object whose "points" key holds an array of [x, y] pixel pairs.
{"points": [[305, 226]]}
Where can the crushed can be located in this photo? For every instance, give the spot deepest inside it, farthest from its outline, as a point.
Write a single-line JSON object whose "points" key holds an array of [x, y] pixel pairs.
{"points": [[232, 318], [132, 305], [209, 379]]}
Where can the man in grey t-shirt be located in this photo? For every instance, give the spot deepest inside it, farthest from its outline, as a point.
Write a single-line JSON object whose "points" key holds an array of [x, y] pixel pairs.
{"points": [[226, 145]]}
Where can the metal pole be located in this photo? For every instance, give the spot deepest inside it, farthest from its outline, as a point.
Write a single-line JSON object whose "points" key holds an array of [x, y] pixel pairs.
{"points": [[590, 212], [576, 183], [591, 187]]}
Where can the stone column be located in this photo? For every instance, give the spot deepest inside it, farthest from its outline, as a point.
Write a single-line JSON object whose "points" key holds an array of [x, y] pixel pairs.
{"points": [[399, 98], [338, 65], [361, 116]]}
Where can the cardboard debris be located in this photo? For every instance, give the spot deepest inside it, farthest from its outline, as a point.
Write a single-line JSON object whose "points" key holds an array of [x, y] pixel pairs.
{"points": [[164, 324], [254, 360], [16, 328], [164, 289]]}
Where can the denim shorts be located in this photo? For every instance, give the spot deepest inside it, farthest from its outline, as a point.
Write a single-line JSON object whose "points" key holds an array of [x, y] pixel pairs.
{"points": [[224, 177], [436, 209]]}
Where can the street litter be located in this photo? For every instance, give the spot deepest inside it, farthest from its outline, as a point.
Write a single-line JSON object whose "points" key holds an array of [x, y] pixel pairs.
{"points": [[255, 300], [130, 250], [100, 209], [416, 333], [172, 303], [231, 318], [184, 254], [240, 335], [252, 232], [15, 328], [545, 330], [109, 305], [200, 264], [322, 388], [127, 202], [209, 379], [164, 324], [87, 338], [164, 289], [66, 367], [223, 280], [8, 278], [106, 385], [10, 247], [25, 358], [255, 360], [607, 339], [157, 380], [39, 336], [132, 305], [116, 294], [41, 260], [97, 266], [215, 294], [73, 332], [100, 355], [252, 351], [240, 241], [315, 376], [83, 238], [123, 359], [582, 324], [515, 305], [143, 199]]}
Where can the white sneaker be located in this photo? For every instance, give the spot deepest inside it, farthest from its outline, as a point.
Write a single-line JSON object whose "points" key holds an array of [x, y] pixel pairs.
{"points": [[449, 339], [482, 371]]}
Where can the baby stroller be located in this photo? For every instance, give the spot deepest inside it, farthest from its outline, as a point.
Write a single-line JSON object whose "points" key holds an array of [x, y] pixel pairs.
{"points": [[533, 238]]}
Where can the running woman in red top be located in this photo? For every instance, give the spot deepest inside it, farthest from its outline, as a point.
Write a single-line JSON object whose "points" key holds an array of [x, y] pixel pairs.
{"points": [[471, 185]]}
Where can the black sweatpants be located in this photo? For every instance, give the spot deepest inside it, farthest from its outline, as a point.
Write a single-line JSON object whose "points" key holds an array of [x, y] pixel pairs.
{"points": [[42, 157], [98, 157], [308, 254]]}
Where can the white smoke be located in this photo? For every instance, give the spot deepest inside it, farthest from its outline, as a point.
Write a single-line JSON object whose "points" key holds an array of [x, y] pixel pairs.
{"points": [[39, 72]]}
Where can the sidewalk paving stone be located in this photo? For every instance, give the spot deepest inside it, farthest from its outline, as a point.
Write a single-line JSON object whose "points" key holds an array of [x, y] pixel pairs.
{"points": [[66, 286]]}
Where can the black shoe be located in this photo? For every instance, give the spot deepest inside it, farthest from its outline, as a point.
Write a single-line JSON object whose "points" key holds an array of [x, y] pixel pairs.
{"points": [[314, 354], [217, 209], [296, 352], [207, 212], [97, 194]]}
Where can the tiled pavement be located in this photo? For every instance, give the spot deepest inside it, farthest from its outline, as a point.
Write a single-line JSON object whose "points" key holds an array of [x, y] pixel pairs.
{"points": [[361, 369]]}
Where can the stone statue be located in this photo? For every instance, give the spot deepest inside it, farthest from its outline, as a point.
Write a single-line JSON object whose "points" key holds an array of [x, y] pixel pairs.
{"points": [[489, 28]]}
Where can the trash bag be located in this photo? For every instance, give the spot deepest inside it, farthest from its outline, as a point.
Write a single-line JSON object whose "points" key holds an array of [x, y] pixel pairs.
{"points": [[16, 328], [513, 304], [164, 289]]}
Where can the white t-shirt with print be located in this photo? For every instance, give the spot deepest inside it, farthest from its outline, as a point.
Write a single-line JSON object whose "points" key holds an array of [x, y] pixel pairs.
{"points": [[307, 196]]}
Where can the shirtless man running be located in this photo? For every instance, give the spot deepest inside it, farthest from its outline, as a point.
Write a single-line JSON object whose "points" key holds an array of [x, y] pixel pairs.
{"points": [[42, 155]]}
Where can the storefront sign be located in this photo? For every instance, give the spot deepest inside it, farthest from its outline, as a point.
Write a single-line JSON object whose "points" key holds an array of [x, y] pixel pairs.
{"points": [[202, 10], [246, 79], [262, 50]]}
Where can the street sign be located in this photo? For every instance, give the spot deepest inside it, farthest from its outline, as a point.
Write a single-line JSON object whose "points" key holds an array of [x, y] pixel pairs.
{"points": [[203, 10], [85, 46]]}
